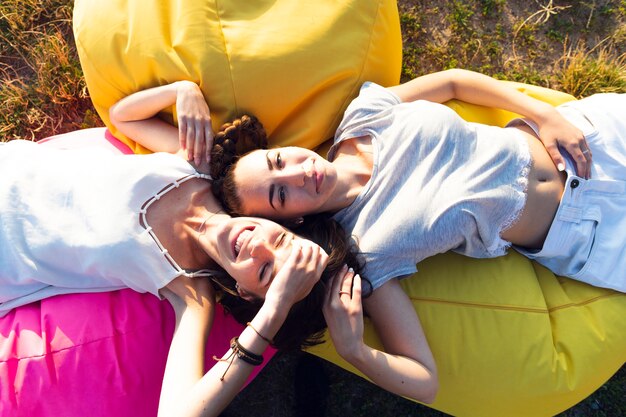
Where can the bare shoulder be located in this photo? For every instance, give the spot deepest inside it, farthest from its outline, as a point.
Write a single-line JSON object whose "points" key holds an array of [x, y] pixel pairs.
{"points": [[351, 146]]}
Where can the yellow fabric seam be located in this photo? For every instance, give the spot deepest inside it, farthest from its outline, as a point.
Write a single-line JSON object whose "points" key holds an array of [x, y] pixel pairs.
{"points": [[513, 308], [357, 82], [228, 57]]}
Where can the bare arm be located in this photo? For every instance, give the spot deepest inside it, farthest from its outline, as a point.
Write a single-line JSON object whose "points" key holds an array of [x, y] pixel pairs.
{"points": [[186, 391], [193, 301], [136, 117], [407, 366], [480, 89]]}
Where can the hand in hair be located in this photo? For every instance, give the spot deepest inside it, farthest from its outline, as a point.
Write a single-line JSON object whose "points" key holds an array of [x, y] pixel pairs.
{"points": [[195, 132], [343, 311], [297, 277]]}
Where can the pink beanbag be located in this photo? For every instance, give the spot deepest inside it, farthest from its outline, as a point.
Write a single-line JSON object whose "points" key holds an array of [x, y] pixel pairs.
{"points": [[100, 354]]}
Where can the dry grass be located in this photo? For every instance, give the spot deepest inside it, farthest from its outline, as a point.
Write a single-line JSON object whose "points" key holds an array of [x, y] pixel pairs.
{"points": [[575, 46], [583, 72], [42, 90], [521, 40]]}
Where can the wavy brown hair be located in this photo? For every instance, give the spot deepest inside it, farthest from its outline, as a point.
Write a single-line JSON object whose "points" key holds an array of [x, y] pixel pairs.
{"points": [[233, 140]]}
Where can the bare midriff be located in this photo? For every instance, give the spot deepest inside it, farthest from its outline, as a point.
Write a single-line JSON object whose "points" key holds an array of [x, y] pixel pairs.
{"points": [[545, 188]]}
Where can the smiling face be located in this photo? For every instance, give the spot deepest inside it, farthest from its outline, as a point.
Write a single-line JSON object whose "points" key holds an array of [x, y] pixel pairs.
{"points": [[252, 251], [284, 183]]}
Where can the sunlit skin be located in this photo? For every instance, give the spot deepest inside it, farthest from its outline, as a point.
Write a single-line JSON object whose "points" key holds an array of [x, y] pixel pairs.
{"points": [[189, 222], [285, 183], [251, 250]]}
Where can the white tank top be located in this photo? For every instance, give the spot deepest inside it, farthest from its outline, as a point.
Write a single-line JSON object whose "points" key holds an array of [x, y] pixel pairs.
{"points": [[71, 221]]}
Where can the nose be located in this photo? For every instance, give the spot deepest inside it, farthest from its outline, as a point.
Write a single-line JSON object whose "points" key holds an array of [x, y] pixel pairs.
{"points": [[294, 176], [259, 248]]}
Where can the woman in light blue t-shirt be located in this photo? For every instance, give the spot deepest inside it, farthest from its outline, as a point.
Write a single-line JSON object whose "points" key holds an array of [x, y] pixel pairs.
{"points": [[410, 179]]}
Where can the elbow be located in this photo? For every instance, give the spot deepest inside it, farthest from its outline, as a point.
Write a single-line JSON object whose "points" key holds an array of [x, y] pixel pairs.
{"points": [[431, 388], [431, 393], [455, 77], [113, 117]]}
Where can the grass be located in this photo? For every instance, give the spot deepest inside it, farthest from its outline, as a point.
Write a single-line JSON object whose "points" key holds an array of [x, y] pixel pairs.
{"points": [[42, 90], [577, 46]]}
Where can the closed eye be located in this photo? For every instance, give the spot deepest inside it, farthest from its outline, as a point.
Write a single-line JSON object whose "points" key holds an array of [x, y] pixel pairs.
{"points": [[281, 239], [264, 268]]}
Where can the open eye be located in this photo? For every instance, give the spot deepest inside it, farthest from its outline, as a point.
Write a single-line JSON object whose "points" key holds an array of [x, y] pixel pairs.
{"points": [[279, 160], [281, 195]]}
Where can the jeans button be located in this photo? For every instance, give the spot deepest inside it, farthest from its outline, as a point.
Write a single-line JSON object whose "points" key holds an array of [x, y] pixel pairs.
{"points": [[574, 183]]}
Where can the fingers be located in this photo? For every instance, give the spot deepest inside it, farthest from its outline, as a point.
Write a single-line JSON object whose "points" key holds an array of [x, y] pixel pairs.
{"points": [[356, 289], [196, 138], [556, 156], [588, 157], [190, 140], [308, 260], [195, 135], [345, 287], [335, 283], [208, 138], [182, 133], [556, 132], [581, 154]]}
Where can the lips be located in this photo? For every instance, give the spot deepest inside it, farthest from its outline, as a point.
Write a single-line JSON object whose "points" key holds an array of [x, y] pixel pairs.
{"points": [[241, 239], [319, 178], [316, 176]]}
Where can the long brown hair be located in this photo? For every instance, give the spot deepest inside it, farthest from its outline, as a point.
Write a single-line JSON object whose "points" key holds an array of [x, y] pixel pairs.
{"points": [[305, 322]]}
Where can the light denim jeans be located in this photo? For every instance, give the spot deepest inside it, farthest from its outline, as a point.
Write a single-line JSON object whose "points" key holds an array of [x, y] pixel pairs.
{"points": [[587, 239]]}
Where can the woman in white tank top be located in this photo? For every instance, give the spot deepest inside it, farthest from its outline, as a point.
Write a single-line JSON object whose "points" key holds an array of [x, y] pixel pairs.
{"points": [[83, 221]]}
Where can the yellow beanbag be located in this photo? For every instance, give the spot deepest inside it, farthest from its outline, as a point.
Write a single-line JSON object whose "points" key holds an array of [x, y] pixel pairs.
{"points": [[509, 337], [294, 64]]}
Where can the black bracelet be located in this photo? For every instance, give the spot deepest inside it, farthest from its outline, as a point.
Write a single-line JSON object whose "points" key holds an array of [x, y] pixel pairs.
{"points": [[241, 353], [244, 354]]}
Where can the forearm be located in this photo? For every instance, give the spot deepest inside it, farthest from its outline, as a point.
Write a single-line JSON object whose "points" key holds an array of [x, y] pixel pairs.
{"points": [[212, 392], [135, 116], [396, 373], [475, 88], [144, 104], [185, 361], [483, 90]]}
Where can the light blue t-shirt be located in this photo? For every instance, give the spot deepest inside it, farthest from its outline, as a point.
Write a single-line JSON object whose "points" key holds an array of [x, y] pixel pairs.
{"points": [[438, 183]]}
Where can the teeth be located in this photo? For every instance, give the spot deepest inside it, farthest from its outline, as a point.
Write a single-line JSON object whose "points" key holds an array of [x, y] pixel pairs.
{"points": [[240, 239]]}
